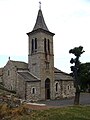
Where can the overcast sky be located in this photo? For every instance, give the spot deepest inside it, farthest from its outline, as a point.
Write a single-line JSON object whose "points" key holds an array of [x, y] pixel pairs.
{"points": [[68, 19]]}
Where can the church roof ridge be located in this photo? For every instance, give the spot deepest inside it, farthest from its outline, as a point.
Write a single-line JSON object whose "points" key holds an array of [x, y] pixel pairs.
{"points": [[16, 61], [56, 70], [20, 64], [40, 22]]}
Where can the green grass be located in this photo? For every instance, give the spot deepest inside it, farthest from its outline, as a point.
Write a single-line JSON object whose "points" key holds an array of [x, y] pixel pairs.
{"points": [[66, 113]]}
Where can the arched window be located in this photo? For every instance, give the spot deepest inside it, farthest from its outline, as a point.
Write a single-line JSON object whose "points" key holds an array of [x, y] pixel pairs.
{"points": [[48, 46], [45, 49], [8, 72], [68, 87], [32, 45], [33, 90], [56, 87], [35, 43]]}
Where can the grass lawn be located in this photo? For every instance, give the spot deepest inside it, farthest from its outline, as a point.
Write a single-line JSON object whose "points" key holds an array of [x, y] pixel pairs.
{"points": [[65, 113], [68, 113]]}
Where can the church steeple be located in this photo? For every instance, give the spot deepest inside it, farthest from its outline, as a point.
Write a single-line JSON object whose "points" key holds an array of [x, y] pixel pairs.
{"points": [[41, 56], [40, 23]]}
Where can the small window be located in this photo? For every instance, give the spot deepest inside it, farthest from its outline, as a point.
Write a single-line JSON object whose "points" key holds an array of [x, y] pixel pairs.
{"points": [[47, 65], [56, 87], [8, 72], [68, 87], [32, 45], [45, 49], [48, 46], [33, 90], [35, 43]]}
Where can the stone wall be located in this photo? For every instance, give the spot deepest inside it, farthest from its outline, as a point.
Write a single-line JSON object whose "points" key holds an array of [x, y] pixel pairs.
{"points": [[25, 89], [39, 59], [58, 92], [9, 76], [1, 74], [1, 79], [68, 89], [37, 93], [36, 60], [65, 89], [21, 87]]}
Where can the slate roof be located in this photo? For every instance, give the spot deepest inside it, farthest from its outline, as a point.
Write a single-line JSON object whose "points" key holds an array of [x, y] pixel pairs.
{"points": [[60, 75], [28, 76], [22, 66], [40, 23], [19, 64], [56, 70]]}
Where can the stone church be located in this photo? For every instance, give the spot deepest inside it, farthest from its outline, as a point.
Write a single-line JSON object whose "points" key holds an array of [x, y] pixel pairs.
{"points": [[38, 79]]}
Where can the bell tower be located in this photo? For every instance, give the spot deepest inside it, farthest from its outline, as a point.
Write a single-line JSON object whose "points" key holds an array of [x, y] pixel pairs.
{"points": [[41, 56]]}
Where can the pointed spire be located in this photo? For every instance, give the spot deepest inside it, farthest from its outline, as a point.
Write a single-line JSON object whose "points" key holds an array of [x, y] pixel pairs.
{"points": [[40, 23]]}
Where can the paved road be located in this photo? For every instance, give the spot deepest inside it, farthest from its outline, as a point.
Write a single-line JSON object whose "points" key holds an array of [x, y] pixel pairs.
{"points": [[84, 100]]}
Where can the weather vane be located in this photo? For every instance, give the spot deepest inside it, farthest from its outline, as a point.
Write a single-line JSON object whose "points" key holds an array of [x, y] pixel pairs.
{"points": [[40, 5]]}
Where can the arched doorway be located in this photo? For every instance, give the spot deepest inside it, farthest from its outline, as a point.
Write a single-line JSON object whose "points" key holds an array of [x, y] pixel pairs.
{"points": [[47, 88]]}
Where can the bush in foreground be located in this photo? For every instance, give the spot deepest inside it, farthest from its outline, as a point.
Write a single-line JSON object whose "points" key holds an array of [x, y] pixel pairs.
{"points": [[23, 112]]}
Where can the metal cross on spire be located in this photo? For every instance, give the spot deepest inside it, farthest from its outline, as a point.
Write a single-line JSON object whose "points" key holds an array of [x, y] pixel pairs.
{"points": [[40, 5]]}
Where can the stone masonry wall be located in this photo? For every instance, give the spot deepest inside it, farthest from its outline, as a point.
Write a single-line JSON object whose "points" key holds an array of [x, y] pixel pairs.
{"points": [[37, 61], [58, 92], [9, 76], [20, 87], [65, 89], [1, 79], [33, 96], [68, 89]]}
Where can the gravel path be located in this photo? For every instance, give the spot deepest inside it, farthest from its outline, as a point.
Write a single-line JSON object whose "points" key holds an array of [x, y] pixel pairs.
{"points": [[43, 105], [84, 100]]}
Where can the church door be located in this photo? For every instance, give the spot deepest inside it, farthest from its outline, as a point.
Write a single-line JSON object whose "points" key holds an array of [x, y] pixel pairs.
{"points": [[47, 89]]}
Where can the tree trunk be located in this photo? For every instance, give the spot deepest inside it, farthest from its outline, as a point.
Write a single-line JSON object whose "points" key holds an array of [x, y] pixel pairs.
{"points": [[77, 97]]}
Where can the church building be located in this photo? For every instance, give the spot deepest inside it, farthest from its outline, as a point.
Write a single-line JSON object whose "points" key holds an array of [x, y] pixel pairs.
{"points": [[38, 79]]}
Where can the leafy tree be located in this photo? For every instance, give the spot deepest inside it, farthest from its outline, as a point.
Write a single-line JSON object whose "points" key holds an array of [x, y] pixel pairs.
{"points": [[77, 51], [84, 76]]}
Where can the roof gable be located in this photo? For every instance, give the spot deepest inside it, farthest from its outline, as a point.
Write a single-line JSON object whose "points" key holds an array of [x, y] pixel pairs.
{"points": [[60, 75], [19, 64]]}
